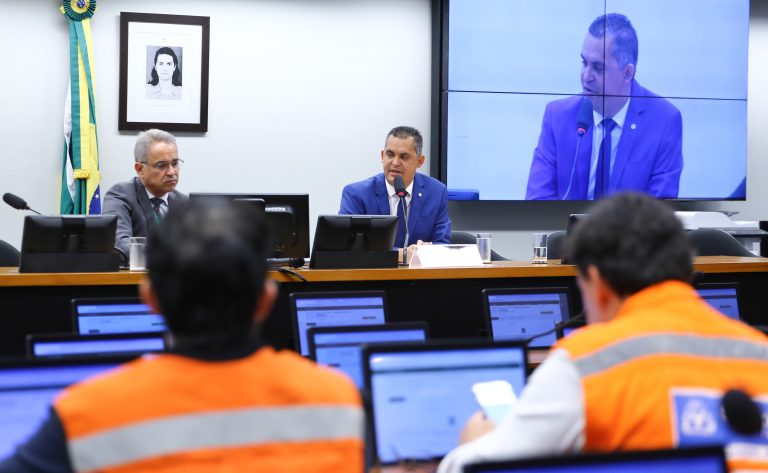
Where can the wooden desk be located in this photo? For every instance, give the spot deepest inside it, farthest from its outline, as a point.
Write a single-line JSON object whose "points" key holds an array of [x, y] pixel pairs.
{"points": [[448, 299]]}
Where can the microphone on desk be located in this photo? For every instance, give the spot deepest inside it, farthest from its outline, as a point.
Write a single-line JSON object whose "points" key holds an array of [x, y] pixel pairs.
{"points": [[17, 202], [401, 193], [583, 122], [579, 318]]}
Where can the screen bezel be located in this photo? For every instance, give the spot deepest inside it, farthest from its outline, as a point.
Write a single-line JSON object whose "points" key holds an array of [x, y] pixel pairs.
{"points": [[78, 301], [386, 327], [34, 338], [723, 285]]}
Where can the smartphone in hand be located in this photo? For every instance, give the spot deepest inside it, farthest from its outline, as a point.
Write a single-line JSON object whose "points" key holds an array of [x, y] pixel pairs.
{"points": [[495, 398]]}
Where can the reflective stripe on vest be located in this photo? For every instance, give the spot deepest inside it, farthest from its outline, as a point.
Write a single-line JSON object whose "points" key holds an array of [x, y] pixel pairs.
{"points": [[242, 427], [666, 344]]}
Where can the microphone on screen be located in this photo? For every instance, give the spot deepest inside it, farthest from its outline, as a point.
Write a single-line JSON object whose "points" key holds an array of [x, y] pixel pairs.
{"points": [[17, 202], [583, 122]]}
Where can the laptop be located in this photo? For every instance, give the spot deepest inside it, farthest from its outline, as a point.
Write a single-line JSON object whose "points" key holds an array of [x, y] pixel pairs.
{"points": [[114, 315], [722, 296], [699, 460], [421, 393], [111, 344], [333, 309], [520, 313], [28, 387], [341, 347]]}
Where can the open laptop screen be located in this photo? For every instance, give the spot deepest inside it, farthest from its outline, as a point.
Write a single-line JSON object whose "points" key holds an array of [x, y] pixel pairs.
{"points": [[27, 389], [723, 297], [340, 347], [517, 314], [421, 394], [63, 345], [700, 460], [334, 309], [125, 315]]}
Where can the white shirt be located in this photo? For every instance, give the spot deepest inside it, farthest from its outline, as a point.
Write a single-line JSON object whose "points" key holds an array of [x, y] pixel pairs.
{"points": [[597, 139], [394, 200], [164, 206], [548, 419]]}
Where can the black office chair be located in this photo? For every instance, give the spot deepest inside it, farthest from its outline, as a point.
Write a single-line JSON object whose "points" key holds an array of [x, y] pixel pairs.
{"points": [[555, 242], [466, 238], [714, 242], [9, 256]]}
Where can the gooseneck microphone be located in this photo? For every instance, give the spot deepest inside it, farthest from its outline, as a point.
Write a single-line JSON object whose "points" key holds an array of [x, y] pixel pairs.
{"points": [[17, 202], [401, 193], [579, 318], [583, 122]]}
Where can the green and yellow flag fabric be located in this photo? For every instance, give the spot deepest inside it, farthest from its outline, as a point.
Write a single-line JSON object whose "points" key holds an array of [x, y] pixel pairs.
{"points": [[80, 176]]}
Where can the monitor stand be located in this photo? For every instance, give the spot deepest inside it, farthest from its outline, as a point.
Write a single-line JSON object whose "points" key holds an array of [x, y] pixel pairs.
{"points": [[354, 259]]}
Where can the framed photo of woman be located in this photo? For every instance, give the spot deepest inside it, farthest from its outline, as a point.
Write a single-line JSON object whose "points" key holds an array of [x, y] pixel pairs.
{"points": [[163, 72]]}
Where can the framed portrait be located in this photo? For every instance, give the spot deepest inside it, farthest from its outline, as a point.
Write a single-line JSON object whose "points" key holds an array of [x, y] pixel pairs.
{"points": [[163, 72]]}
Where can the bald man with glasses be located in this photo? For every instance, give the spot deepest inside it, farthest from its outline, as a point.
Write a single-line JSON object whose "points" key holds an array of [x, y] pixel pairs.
{"points": [[141, 203]]}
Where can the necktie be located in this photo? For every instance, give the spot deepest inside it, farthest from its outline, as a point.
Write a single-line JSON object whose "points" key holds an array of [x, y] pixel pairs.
{"points": [[603, 170], [157, 211], [401, 220]]}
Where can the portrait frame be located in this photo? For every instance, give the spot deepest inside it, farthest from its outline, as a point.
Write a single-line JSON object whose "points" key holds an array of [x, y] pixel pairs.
{"points": [[148, 101]]}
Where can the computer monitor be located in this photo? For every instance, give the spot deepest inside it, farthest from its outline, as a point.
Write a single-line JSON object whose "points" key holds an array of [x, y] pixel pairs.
{"points": [[722, 296], [354, 241], [68, 345], [421, 393], [341, 347], [93, 316], [27, 388], [69, 244], [521, 313], [700, 460], [288, 215], [334, 309]]}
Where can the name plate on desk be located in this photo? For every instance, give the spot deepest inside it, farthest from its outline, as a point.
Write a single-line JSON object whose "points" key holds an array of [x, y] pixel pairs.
{"points": [[445, 256]]}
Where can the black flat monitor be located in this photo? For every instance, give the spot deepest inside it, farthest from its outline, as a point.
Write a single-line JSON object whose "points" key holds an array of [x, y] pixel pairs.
{"points": [[288, 215], [341, 347], [28, 387], [63, 345], [334, 309], [421, 393], [354, 241], [95, 316], [721, 296], [699, 459], [521, 313], [69, 244]]}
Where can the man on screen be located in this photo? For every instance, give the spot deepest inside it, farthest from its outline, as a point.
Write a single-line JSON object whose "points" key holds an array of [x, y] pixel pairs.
{"points": [[426, 200], [617, 135]]}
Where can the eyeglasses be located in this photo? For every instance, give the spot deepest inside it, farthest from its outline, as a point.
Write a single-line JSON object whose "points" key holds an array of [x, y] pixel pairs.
{"points": [[162, 166]]}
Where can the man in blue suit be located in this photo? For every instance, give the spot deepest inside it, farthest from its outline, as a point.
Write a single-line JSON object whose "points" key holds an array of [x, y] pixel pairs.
{"points": [[426, 201], [633, 138]]}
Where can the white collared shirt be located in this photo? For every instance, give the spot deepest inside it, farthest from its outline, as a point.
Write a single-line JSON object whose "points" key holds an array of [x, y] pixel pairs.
{"points": [[394, 200], [164, 198], [597, 139]]}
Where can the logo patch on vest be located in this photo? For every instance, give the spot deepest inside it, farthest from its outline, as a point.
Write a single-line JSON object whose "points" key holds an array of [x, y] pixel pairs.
{"points": [[698, 419]]}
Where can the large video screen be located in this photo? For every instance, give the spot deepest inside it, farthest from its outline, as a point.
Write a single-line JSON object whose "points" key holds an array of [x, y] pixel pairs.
{"points": [[579, 99]]}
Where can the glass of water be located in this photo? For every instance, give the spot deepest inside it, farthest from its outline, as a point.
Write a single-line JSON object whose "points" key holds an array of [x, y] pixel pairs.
{"points": [[540, 248], [137, 254], [484, 246]]}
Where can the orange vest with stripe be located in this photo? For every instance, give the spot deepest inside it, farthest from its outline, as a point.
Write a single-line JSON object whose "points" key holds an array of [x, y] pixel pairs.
{"points": [[271, 411], [664, 339]]}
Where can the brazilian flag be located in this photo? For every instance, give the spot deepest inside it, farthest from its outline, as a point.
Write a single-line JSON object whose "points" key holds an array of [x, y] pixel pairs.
{"points": [[80, 176]]}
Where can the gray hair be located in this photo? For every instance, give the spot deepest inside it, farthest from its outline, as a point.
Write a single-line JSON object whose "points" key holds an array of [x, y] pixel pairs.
{"points": [[623, 33], [145, 140], [404, 132]]}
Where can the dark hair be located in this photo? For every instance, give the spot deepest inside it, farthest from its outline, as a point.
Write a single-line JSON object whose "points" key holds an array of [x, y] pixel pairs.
{"points": [[403, 132], [634, 241], [176, 78], [623, 33], [207, 264]]}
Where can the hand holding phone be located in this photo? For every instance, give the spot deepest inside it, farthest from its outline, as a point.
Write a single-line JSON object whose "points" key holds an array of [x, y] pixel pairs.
{"points": [[495, 398]]}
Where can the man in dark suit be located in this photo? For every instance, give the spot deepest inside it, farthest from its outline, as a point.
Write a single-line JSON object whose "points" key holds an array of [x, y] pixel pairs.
{"points": [[426, 201], [140, 203], [634, 137]]}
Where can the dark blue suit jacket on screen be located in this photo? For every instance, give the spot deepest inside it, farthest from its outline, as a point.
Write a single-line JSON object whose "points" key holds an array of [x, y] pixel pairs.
{"points": [[428, 219], [649, 157]]}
